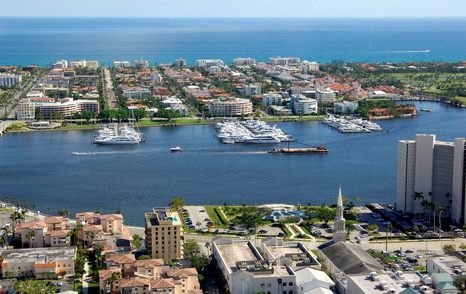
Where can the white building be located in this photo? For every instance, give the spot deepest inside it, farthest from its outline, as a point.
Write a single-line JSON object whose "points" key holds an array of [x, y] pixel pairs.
{"points": [[246, 271], [326, 96], [85, 63], [252, 89], [301, 105], [214, 69], [345, 107], [10, 80], [230, 107], [60, 64], [176, 104], [137, 92], [209, 62], [308, 67], [25, 110], [180, 62], [141, 63], [451, 265], [285, 61], [383, 283], [434, 171], [272, 99], [119, 64], [244, 61]]}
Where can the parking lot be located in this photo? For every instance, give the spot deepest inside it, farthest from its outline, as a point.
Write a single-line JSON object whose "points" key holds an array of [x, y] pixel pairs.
{"points": [[199, 217]]}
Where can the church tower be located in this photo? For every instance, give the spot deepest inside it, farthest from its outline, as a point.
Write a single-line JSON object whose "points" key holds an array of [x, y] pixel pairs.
{"points": [[340, 222]]}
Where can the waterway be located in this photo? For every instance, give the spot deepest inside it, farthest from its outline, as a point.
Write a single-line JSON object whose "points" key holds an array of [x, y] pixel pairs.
{"points": [[39, 167]]}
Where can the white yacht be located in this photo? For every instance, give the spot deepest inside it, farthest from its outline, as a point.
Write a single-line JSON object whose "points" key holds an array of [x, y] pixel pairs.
{"points": [[262, 139], [118, 135]]}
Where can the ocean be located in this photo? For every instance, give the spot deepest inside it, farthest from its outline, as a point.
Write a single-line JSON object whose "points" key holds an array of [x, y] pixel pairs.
{"points": [[161, 40]]}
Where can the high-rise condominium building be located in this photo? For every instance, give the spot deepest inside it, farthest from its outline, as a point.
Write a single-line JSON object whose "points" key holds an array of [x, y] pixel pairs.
{"points": [[432, 172], [164, 234]]}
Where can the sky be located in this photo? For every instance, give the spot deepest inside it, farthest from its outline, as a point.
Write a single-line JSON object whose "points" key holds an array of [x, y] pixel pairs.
{"points": [[234, 8]]}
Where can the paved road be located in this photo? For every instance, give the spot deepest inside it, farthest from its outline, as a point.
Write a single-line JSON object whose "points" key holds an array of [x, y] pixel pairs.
{"points": [[111, 98], [10, 110]]}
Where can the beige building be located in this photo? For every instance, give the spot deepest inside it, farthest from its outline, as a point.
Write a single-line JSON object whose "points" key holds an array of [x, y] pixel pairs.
{"points": [[50, 232], [164, 234], [433, 171], [230, 107], [40, 263]]}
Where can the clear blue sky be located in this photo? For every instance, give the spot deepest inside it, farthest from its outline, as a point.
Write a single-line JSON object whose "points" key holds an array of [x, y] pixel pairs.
{"points": [[235, 8]]}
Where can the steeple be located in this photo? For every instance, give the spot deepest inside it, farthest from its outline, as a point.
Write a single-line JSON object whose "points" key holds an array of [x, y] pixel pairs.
{"points": [[340, 222]]}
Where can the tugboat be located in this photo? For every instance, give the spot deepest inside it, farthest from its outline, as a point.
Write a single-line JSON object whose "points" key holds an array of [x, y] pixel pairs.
{"points": [[176, 149]]}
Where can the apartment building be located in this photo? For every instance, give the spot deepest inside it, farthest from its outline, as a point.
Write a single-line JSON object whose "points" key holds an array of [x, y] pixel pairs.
{"points": [[345, 107], [10, 80], [85, 63], [60, 64], [272, 99], [301, 105], [137, 93], [326, 96], [434, 171], [164, 234], [284, 61], [120, 64], [141, 63], [209, 62], [39, 263], [230, 107], [50, 232], [244, 61], [309, 66], [67, 107], [252, 89]]}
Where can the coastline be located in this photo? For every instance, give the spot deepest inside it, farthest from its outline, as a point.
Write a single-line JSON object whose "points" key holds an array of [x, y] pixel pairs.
{"points": [[173, 123]]}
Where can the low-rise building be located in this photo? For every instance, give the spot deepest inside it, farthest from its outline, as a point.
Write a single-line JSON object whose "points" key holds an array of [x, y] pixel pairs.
{"points": [[280, 110], [141, 63], [252, 89], [450, 265], [67, 107], [10, 80], [164, 234], [39, 263], [384, 283], [176, 104], [230, 107], [246, 271]]}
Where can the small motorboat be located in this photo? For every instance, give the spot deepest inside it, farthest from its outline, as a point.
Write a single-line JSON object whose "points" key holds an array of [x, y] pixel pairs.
{"points": [[176, 149]]}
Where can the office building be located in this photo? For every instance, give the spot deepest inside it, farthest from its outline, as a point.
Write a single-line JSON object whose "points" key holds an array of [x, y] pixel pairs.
{"points": [[301, 105], [244, 61], [209, 62], [326, 96], [433, 171], [230, 107], [287, 270], [164, 234], [10, 80], [25, 110]]}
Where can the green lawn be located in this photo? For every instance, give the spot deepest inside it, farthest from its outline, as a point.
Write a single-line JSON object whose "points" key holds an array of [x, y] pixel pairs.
{"points": [[211, 211]]}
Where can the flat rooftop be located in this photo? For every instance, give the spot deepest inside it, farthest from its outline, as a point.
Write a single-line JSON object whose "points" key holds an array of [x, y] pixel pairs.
{"points": [[239, 251], [295, 252], [450, 264], [367, 285], [38, 255], [162, 216]]}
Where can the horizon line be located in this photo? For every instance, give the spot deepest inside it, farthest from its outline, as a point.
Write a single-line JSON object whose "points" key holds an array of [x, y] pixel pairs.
{"points": [[241, 17]]}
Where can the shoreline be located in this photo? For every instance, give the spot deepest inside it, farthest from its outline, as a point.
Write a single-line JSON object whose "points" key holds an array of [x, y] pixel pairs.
{"points": [[173, 123]]}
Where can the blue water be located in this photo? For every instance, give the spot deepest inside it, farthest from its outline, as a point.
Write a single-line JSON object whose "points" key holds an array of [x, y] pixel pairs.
{"points": [[39, 168], [44, 40]]}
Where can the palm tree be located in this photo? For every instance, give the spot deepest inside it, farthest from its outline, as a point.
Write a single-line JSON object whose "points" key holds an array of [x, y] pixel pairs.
{"points": [[416, 196], [5, 236], [389, 227], [30, 234]]}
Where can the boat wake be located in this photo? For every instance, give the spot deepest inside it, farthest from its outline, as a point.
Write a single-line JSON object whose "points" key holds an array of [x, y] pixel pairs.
{"points": [[404, 51]]}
